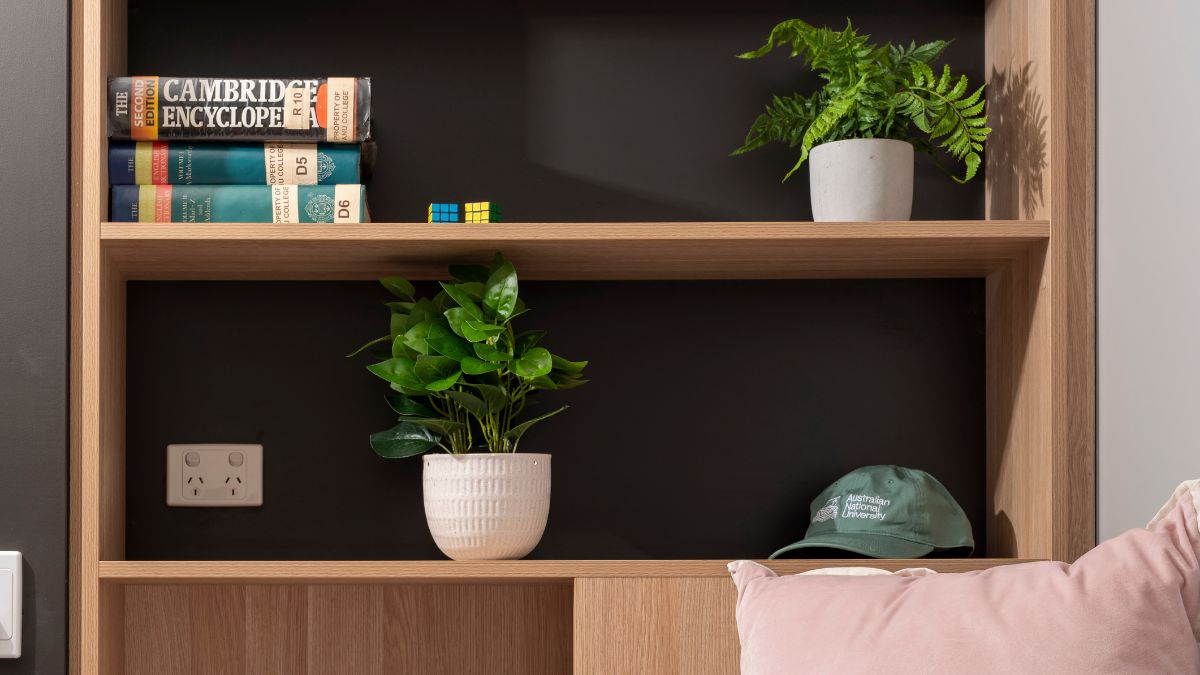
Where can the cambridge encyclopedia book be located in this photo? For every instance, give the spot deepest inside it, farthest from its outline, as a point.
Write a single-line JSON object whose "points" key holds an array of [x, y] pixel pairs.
{"points": [[326, 109]]}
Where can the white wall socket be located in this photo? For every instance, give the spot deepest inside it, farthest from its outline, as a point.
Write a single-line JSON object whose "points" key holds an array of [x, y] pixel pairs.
{"points": [[214, 474], [10, 604]]}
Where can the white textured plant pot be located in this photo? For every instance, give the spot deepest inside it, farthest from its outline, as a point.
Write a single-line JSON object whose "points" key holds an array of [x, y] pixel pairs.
{"points": [[861, 179], [487, 506]]}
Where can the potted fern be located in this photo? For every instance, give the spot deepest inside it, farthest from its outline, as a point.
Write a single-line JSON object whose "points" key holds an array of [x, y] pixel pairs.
{"points": [[859, 130], [460, 375]]}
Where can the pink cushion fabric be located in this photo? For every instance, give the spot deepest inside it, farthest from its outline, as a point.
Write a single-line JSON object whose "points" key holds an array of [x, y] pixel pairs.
{"points": [[1128, 606]]}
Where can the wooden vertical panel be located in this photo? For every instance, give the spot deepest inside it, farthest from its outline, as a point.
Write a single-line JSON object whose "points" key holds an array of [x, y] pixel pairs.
{"points": [[1072, 255], [1019, 441], [1017, 65], [158, 630], [514, 629], [345, 630], [218, 622], [665, 626], [1041, 163], [276, 629], [97, 49]]}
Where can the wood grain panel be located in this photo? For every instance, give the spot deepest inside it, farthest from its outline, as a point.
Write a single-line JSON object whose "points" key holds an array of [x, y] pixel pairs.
{"points": [[490, 571], [571, 250], [666, 626], [276, 630], [1073, 285], [352, 629], [478, 629], [345, 630], [158, 630], [98, 47], [218, 635], [1019, 441], [1017, 62]]}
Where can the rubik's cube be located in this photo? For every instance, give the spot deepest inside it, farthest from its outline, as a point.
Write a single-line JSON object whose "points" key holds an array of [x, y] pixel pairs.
{"points": [[483, 212], [443, 213]]}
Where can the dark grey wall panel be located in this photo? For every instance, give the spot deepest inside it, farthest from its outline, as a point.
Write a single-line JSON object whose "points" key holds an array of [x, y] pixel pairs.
{"points": [[716, 412], [562, 111], [34, 79]]}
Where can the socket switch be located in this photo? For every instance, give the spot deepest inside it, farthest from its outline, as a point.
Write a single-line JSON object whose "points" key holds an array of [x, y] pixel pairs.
{"points": [[216, 474], [10, 604]]}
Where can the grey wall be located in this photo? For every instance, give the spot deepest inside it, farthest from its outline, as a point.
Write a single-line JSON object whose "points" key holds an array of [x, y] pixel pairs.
{"points": [[1148, 238], [34, 84]]}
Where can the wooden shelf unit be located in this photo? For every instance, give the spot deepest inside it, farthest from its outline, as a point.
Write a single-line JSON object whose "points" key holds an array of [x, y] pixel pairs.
{"points": [[728, 250], [581, 616]]}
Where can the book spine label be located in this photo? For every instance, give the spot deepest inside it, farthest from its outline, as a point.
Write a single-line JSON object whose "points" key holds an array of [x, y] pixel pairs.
{"points": [[328, 109], [238, 204], [163, 163]]}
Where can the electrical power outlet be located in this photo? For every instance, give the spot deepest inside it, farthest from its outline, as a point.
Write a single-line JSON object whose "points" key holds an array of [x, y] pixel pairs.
{"points": [[214, 474]]}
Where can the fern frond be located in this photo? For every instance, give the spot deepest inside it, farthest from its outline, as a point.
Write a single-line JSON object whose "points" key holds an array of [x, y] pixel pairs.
{"points": [[784, 120], [834, 111]]}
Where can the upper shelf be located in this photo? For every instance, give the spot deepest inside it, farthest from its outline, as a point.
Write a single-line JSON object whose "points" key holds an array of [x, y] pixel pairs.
{"points": [[720, 250], [162, 572]]}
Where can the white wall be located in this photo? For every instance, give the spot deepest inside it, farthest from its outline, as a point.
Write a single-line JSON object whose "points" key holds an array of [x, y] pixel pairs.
{"points": [[1148, 239]]}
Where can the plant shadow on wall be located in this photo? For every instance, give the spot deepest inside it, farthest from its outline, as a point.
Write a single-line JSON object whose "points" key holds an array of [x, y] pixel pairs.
{"points": [[1016, 159]]}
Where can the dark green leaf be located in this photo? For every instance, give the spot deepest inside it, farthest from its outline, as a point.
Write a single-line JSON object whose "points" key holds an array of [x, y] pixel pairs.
{"points": [[526, 340], [514, 434], [472, 403], [440, 426], [495, 396], [533, 363], [398, 287], [403, 440], [489, 353], [473, 366], [400, 307], [481, 330], [464, 300], [445, 342], [567, 366], [408, 406], [500, 293], [434, 368], [416, 337], [397, 371]]}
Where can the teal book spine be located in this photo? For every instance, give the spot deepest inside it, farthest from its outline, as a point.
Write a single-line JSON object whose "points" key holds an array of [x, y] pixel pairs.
{"points": [[182, 163], [239, 204]]}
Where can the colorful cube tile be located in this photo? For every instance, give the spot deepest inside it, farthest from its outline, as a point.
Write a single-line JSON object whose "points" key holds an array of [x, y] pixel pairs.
{"points": [[482, 212], [443, 213]]}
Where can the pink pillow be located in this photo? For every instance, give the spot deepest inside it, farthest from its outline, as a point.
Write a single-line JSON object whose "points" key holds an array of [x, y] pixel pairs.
{"points": [[1128, 606]]}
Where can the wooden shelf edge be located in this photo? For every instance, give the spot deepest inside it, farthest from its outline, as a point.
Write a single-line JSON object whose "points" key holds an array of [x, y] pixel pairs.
{"points": [[445, 571], [1013, 230], [571, 251]]}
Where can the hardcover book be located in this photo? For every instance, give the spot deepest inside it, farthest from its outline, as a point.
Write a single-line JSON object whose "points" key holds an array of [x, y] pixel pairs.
{"points": [[239, 204], [151, 108], [181, 163]]}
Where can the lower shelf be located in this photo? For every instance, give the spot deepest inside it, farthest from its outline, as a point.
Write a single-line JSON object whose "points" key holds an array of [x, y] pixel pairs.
{"points": [[189, 572]]}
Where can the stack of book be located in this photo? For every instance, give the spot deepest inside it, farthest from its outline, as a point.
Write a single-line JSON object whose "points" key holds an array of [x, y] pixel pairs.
{"points": [[218, 150]]}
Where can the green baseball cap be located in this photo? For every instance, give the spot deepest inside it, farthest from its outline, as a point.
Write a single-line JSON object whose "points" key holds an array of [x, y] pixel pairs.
{"points": [[887, 512]]}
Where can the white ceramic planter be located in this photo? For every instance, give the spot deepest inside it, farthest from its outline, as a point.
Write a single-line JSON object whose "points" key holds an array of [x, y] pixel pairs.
{"points": [[487, 506], [861, 179]]}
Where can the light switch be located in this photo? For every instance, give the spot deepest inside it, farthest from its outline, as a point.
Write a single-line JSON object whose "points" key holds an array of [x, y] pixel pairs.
{"points": [[10, 604]]}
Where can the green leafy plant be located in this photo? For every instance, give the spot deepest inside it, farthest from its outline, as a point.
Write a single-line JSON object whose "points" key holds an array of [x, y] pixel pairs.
{"points": [[458, 368], [871, 91]]}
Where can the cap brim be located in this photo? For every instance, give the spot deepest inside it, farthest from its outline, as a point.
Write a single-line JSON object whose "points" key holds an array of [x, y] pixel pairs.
{"points": [[873, 545]]}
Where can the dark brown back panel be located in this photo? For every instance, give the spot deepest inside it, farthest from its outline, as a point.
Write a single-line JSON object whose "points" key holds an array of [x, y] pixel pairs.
{"points": [[579, 111], [717, 411]]}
